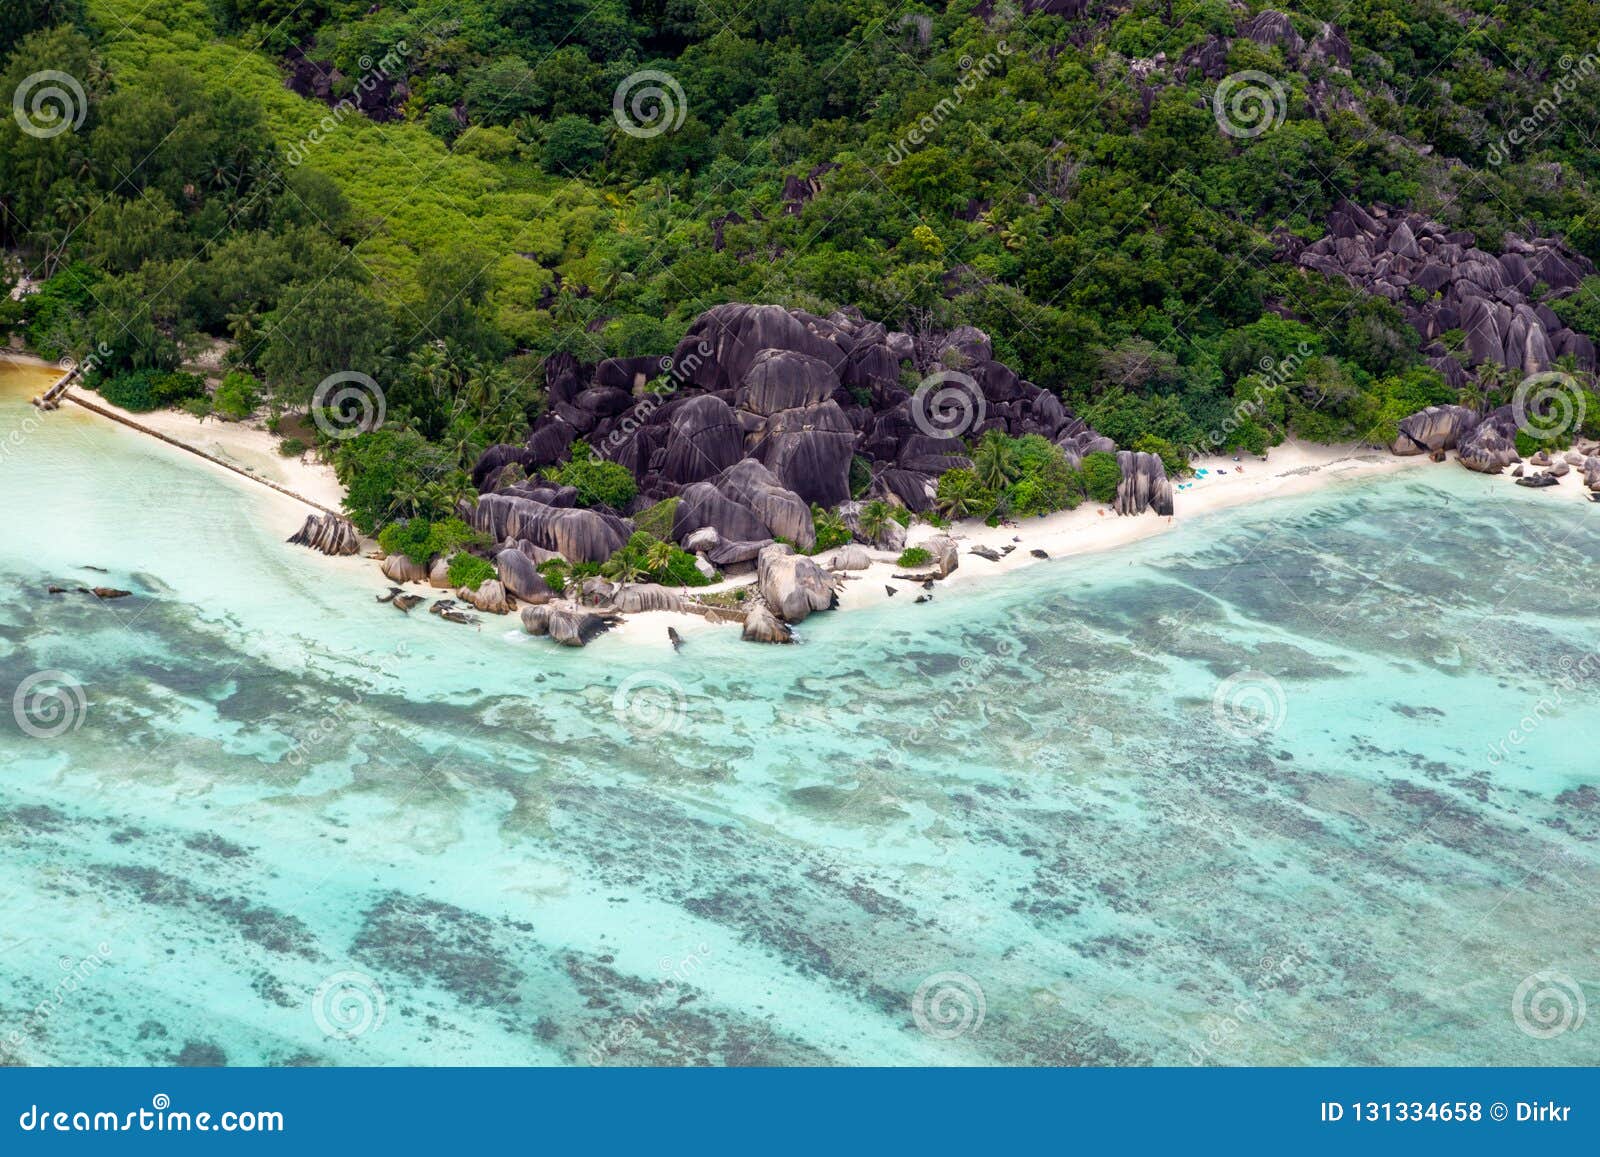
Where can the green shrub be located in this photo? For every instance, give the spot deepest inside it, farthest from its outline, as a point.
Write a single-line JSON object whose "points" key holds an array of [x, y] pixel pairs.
{"points": [[1101, 476], [915, 556], [556, 572], [645, 558], [196, 407], [470, 571], [598, 482], [420, 540], [656, 520], [292, 447], [140, 391], [237, 397]]}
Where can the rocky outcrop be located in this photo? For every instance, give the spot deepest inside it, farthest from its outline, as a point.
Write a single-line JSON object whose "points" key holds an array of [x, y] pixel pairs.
{"points": [[490, 597], [634, 598], [848, 558], [946, 558], [793, 585], [1490, 446], [1443, 281], [577, 535], [397, 568], [439, 572], [762, 626], [566, 622], [520, 576], [1144, 484], [745, 503], [1436, 428], [328, 533]]}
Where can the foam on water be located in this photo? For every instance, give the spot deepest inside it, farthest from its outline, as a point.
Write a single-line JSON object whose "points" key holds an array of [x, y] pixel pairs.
{"points": [[1244, 793]]}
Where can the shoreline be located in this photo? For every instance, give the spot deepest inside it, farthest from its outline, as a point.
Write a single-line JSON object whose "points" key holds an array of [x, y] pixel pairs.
{"points": [[247, 451]]}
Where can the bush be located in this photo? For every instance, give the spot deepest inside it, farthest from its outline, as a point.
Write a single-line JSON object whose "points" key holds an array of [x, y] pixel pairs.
{"points": [[292, 447], [915, 556], [237, 397], [645, 558], [556, 572], [598, 482], [1101, 476], [1174, 459], [470, 571], [140, 391], [419, 540], [656, 520]]}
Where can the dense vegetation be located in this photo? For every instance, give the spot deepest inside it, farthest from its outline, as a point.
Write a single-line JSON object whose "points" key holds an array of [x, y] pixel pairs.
{"points": [[479, 205]]}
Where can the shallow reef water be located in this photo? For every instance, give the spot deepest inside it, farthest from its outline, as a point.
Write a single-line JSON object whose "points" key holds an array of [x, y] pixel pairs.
{"points": [[1312, 782]]}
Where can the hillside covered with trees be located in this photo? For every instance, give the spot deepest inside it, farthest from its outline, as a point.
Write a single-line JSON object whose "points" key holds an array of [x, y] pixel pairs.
{"points": [[445, 195]]}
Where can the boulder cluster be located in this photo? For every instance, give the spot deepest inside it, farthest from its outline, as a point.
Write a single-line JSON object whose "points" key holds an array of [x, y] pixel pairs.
{"points": [[1486, 443], [767, 412], [1442, 281]]}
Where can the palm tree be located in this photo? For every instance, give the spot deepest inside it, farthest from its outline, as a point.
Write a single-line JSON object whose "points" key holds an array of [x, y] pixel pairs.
{"points": [[874, 520], [626, 566], [993, 460], [659, 558]]}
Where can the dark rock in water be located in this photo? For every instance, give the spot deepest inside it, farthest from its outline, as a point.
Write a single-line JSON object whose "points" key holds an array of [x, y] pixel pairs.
{"points": [[455, 616], [1007, 549], [676, 639], [389, 598], [1517, 473], [890, 589], [1039, 554], [328, 533], [927, 584], [405, 602], [440, 606], [923, 599], [1539, 481], [109, 593], [987, 552], [55, 590]]}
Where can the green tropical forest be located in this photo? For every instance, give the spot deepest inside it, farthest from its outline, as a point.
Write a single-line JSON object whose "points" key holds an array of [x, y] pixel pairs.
{"points": [[220, 203]]}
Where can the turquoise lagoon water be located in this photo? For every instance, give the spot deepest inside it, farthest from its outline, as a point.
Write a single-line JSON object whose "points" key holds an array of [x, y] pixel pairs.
{"points": [[274, 822]]}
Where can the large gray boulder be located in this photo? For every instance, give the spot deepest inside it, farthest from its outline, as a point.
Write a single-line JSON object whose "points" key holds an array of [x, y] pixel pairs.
{"points": [[565, 622], [490, 597], [809, 451], [577, 535], [398, 568], [635, 598], [946, 558], [1436, 428], [520, 576], [704, 439], [783, 512], [786, 380], [792, 585], [328, 533], [1490, 446], [1144, 485], [762, 626]]}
